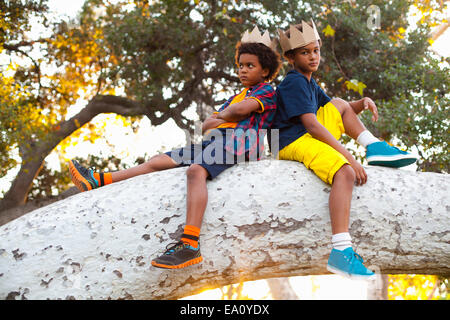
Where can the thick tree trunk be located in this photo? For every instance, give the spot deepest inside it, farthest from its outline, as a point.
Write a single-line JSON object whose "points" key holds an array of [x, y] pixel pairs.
{"points": [[21, 185], [377, 289], [281, 289], [264, 219]]}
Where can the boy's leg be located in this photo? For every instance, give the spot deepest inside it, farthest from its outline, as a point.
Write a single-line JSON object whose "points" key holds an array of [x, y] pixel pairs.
{"points": [[156, 163], [197, 195], [86, 179], [340, 199], [186, 252], [352, 124], [378, 152], [332, 167], [343, 260]]}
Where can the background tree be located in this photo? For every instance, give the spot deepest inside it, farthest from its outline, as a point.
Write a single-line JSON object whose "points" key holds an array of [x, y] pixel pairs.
{"points": [[417, 287]]}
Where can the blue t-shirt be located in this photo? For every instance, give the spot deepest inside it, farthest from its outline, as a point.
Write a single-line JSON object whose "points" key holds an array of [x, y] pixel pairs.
{"points": [[296, 96]]}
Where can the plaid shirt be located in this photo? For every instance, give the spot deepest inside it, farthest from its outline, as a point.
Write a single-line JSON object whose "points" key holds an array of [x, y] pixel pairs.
{"points": [[246, 137]]}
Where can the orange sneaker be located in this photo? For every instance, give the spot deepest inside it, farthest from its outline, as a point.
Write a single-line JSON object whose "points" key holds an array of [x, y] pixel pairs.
{"points": [[82, 178], [178, 255]]}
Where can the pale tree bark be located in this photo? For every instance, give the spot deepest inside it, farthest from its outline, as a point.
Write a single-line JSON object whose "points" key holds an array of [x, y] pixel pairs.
{"points": [[15, 212], [265, 219]]}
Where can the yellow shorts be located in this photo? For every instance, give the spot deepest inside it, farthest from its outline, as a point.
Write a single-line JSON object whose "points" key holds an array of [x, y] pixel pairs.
{"points": [[316, 155]]}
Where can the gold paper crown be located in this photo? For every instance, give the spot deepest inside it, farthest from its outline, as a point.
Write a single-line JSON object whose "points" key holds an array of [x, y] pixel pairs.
{"points": [[298, 38], [256, 37]]}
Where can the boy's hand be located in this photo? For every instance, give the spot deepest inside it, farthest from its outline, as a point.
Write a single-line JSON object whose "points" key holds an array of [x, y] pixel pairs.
{"points": [[370, 105], [318, 131], [361, 175]]}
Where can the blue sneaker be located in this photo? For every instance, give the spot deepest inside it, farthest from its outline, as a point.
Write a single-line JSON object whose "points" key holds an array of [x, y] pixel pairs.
{"points": [[349, 264], [382, 154]]}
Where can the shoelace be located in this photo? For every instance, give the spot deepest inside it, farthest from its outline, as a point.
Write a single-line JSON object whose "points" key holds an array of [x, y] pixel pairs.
{"points": [[82, 169], [174, 247], [357, 257]]}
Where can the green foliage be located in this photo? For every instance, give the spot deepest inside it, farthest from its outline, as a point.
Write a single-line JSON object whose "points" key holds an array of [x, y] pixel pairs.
{"points": [[17, 119], [165, 57], [15, 18], [16, 101]]}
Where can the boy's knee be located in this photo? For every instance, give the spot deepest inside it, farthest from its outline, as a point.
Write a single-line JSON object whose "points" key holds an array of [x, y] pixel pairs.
{"points": [[160, 162], [196, 171], [346, 173], [340, 104], [156, 158]]}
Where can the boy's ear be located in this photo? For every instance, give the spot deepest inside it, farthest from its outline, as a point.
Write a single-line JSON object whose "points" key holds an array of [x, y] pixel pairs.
{"points": [[265, 72], [290, 57]]}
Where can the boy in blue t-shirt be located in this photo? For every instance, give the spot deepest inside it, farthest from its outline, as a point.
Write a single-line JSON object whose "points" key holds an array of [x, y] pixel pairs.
{"points": [[310, 124]]}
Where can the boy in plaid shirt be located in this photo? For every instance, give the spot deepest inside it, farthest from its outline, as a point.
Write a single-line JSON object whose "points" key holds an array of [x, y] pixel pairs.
{"points": [[236, 133]]}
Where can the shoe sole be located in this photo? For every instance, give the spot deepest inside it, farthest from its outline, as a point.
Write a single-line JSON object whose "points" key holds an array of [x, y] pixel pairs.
{"points": [[78, 180], [393, 162], [350, 276], [178, 266]]}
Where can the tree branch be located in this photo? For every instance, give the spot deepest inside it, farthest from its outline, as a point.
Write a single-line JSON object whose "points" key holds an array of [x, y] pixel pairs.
{"points": [[36, 65], [251, 230], [335, 58]]}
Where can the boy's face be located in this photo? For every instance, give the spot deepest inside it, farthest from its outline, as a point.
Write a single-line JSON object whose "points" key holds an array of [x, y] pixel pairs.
{"points": [[250, 70], [306, 59]]}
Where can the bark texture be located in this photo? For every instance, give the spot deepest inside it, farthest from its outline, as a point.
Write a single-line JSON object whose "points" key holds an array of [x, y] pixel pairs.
{"points": [[264, 219]]}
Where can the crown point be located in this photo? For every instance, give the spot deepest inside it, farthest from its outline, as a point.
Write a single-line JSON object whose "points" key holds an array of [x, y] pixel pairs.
{"points": [[256, 37], [298, 38]]}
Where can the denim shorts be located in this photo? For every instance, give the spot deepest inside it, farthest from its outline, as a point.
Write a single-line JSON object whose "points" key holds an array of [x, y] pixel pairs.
{"points": [[210, 154]]}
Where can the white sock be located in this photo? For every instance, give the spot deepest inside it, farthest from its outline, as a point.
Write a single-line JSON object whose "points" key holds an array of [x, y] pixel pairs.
{"points": [[365, 138], [341, 241]]}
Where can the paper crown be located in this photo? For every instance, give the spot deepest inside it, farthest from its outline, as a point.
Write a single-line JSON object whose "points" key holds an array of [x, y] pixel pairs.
{"points": [[256, 37], [298, 38]]}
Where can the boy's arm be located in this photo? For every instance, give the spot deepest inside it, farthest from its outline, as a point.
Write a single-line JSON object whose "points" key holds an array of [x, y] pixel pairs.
{"points": [[211, 122], [364, 104], [319, 132], [239, 111]]}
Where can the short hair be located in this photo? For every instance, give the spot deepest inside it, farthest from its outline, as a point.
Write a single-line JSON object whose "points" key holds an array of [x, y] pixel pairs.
{"points": [[268, 58], [288, 34]]}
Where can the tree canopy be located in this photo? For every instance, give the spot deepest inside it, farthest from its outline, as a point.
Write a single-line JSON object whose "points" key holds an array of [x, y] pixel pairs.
{"points": [[171, 55]]}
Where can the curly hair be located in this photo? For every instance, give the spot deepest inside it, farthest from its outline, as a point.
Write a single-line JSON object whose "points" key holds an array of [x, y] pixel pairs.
{"points": [[267, 57]]}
